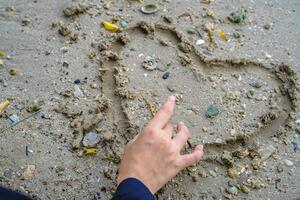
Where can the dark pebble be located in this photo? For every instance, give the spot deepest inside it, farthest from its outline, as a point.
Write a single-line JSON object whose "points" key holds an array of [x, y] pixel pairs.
{"points": [[77, 81], [295, 146], [166, 75], [7, 173], [231, 183]]}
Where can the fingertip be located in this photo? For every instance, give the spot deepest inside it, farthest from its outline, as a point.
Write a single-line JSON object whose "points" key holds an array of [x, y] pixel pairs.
{"points": [[172, 98], [199, 147], [180, 124], [199, 151]]}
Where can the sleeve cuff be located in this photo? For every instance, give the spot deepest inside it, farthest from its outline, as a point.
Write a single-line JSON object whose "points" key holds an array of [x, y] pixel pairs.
{"points": [[133, 189]]}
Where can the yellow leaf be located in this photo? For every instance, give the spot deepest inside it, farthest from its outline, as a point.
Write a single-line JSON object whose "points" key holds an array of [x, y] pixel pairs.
{"points": [[90, 151], [3, 105], [222, 35], [110, 27]]}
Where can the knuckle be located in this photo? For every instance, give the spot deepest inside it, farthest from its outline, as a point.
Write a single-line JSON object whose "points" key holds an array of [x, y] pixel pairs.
{"points": [[163, 141]]}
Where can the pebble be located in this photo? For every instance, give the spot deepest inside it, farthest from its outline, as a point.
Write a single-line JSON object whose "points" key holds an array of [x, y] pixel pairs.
{"points": [[288, 163], [93, 85], [77, 92], [256, 84], [295, 146], [150, 63], [232, 190], [13, 71], [212, 111], [90, 139], [166, 75], [171, 88], [123, 23], [200, 42], [266, 152], [77, 81], [237, 17], [1, 79], [34, 106], [7, 173], [168, 19], [1, 63], [245, 189], [64, 49], [231, 183]]}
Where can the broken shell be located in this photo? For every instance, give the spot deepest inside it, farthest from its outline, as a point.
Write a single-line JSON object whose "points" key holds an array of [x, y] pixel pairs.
{"points": [[150, 63], [91, 139], [149, 9]]}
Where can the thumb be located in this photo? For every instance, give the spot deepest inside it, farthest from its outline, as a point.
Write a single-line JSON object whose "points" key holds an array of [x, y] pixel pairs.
{"points": [[192, 158]]}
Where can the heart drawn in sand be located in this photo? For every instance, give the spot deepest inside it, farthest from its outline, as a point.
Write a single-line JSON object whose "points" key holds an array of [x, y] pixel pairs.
{"points": [[219, 100]]}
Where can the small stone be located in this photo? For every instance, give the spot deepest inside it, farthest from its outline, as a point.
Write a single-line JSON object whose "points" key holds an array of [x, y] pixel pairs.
{"points": [[233, 132], [1, 62], [77, 92], [227, 158], [232, 190], [195, 177], [25, 22], [237, 17], [166, 75], [267, 26], [34, 106], [168, 19], [8, 173], [29, 171], [212, 173], [123, 23], [64, 49], [91, 139], [13, 71], [212, 111], [256, 84], [231, 183], [266, 152], [232, 173], [288, 163], [245, 189], [205, 129], [150, 63], [93, 85], [171, 88], [200, 42], [77, 81]]}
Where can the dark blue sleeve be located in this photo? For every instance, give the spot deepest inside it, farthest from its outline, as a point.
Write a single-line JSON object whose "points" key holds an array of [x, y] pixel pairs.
{"points": [[7, 194], [132, 189]]}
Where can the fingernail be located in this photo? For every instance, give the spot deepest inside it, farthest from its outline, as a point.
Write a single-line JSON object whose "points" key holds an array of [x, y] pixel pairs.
{"points": [[172, 98], [181, 123]]}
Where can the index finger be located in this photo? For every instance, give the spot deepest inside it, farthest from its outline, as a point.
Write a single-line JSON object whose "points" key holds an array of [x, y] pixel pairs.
{"points": [[162, 117]]}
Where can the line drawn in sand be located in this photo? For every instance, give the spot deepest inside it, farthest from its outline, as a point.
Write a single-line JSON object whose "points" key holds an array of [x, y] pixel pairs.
{"points": [[255, 100]]}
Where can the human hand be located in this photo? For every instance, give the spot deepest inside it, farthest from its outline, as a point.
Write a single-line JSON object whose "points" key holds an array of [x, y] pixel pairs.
{"points": [[153, 156]]}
